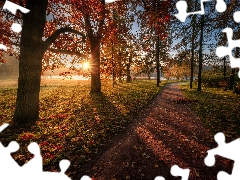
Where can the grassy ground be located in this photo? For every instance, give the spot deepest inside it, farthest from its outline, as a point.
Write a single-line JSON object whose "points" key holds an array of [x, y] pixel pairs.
{"points": [[75, 124], [219, 110]]}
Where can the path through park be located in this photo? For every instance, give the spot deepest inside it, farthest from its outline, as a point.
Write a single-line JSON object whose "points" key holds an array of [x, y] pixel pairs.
{"points": [[167, 132]]}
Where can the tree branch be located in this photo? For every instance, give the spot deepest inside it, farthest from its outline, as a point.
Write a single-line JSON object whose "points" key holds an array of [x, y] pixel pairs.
{"points": [[55, 35], [101, 23], [62, 51]]}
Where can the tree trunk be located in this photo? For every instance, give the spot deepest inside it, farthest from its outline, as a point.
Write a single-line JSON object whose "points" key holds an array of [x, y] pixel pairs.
{"points": [[200, 55], [224, 72], [30, 65], [157, 61], [95, 65], [232, 75], [231, 80], [192, 51], [113, 66], [128, 70]]}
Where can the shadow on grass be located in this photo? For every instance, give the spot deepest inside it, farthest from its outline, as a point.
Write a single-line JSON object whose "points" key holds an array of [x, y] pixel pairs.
{"points": [[166, 134], [218, 110], [97, 118]]}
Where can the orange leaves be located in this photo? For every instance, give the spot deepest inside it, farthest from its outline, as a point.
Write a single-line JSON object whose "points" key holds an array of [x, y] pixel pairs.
{"points": [[2, 61]]}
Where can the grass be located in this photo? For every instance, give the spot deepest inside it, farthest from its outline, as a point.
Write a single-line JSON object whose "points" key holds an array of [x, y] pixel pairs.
{"points": [[219, 110], [74, 124]]}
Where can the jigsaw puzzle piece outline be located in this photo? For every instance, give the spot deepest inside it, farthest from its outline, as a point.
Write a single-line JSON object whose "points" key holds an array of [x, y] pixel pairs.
{"points": [[5, 125], [34, 164], [182, 9], [236, 16], [222, 51], [177, 171], [6, 169], [227, 150], [85, 177], [12, 7]]}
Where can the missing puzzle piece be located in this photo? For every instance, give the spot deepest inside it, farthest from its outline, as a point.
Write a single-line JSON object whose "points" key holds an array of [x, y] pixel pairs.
{"points": [[10, 169], [8, 165], [13, 9], [222, 51], [228, 150], [177, 171], [182, 9]]}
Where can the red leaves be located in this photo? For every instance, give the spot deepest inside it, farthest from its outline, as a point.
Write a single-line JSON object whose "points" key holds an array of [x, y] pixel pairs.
{"points": [[167, 18], [44, 143], [50, 156], [58, 116], [3, 61], [26, 136]]}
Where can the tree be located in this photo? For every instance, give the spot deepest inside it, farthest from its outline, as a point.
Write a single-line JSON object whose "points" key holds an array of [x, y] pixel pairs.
{"points": [[32, 49], [43, 43], [200, 55], [158, 14]]}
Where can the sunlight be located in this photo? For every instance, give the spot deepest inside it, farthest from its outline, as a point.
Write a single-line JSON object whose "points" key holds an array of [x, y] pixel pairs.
{"points": [[86, 65]]}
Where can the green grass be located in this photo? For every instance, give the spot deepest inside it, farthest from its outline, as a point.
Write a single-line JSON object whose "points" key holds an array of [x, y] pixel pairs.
{"points": [[74, 124], [219, 110]]}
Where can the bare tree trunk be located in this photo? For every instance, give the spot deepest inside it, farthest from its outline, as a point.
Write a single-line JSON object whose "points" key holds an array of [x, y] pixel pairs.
{"points": [[157, 61], [192, 51], [200, 55], [113, 66], [128, 70], [224, 72], [232, 75], [231, 80]]}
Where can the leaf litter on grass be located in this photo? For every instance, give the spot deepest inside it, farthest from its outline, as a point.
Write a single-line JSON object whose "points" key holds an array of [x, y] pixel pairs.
{"points": [[218, 109], [74, 124]]}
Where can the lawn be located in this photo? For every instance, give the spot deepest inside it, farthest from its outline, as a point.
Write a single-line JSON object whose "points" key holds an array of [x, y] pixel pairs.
{"points": [[219, 110], [75, 124]]}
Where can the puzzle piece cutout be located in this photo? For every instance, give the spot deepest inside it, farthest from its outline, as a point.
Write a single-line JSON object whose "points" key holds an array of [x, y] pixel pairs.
{"points": [[10, 169], [236, 16], [177, 171], [13, 9], [228, 150], [182, 9], [222, 51]]}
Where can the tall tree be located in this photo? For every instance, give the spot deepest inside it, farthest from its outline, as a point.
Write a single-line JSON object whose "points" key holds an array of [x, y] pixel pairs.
{"points": [[158, 13], [32, 50], [200, 61]]}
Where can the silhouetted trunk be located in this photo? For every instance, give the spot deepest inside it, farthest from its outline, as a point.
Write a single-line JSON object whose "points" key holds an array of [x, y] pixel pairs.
{"points": [[30, 64], [224, 72], [32, 49], [128, 70], [157, 61], [95, 65], [231, 80], [192, 51], [113, 66], [232, 75], [224, 69], [120, 68], [200, 55]]}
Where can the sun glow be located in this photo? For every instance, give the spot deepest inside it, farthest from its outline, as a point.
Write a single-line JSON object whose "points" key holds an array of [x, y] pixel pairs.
{"points": [[86, 65]]}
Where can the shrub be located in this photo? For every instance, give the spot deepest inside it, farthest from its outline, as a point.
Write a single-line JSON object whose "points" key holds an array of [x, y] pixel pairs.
{"points": [[212, 79]]}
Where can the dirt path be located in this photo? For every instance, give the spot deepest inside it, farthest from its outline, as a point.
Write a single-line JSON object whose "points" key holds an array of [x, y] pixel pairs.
{"points": [[166, 133]]}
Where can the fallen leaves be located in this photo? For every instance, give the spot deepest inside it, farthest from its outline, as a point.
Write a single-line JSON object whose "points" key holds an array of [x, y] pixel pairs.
{"points": [[74, 123], [218, 109]]}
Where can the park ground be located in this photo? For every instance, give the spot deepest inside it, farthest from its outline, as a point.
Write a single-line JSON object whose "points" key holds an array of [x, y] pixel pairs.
{"points": [[132, 131]]}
